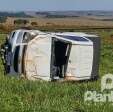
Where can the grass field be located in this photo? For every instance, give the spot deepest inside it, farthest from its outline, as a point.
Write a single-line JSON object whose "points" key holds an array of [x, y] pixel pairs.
{"points": [[66, 22], [18, 95]]}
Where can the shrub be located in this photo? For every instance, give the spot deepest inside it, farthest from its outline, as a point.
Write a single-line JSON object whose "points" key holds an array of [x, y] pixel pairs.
{"points": [[21, 21], [3, 19], [34, 23]]}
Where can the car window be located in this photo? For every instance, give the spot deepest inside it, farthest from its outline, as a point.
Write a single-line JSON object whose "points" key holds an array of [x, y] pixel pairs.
{"points": [[13, 34], [16, 56], [27, 37], [19, 38]]}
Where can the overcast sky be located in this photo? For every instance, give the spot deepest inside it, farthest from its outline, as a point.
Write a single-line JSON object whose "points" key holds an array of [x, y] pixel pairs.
{"points": [[48, 5]]}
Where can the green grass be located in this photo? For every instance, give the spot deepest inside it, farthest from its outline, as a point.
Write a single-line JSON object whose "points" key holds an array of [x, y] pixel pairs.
{"points": [[18, 95]]}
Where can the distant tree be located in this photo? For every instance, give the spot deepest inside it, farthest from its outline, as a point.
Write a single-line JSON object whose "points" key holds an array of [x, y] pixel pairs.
{"points": [[16, 14], [21, 21], [3, 19], [34, 23]]}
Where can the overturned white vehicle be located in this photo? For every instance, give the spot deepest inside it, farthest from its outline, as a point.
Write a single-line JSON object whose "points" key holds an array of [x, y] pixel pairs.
{"points": [[56, 56]]}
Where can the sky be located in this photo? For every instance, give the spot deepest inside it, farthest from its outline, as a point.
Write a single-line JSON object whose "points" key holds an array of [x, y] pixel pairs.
{"points": [[55, 5]]}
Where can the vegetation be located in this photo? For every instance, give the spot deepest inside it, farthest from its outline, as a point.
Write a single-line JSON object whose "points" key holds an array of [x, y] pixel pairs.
{"points": [[34, 23], [12, 14], [3, 19], [21, 22], [57, 16], [19, 95]]}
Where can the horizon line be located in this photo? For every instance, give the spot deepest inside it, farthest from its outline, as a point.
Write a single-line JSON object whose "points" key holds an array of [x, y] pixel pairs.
{"points": [[52, 10]]}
